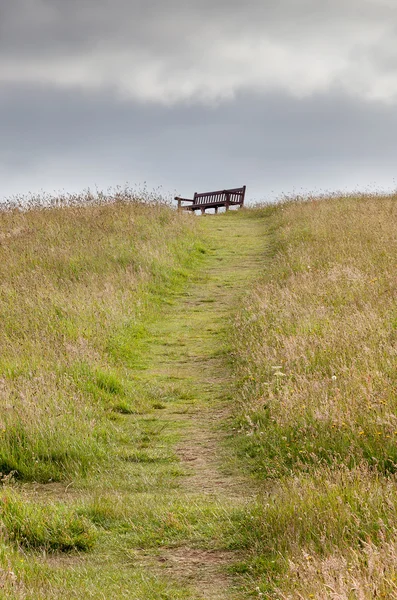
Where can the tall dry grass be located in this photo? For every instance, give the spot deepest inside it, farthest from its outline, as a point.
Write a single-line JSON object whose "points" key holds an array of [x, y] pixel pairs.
{"points": [[77, 277], [316, 360]]}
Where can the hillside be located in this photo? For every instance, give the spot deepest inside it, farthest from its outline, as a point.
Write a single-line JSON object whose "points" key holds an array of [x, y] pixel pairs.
{"points": [[199, 408], [315, 352]]}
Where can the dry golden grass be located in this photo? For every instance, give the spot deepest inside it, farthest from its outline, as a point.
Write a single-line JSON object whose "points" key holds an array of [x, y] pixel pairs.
{"points": [[364, 575], [316, 356]]}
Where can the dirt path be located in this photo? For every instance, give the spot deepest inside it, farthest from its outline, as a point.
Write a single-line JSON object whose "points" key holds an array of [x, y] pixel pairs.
{"points": [[190, 351]]}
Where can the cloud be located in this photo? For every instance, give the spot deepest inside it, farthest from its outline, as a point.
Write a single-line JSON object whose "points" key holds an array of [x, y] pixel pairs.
{"points": [[52, 139], [194, 95], [172, 51]]}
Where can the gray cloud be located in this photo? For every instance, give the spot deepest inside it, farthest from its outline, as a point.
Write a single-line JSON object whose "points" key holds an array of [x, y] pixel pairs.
{"points": [[270, 143], [197, 94], [175, 50]]}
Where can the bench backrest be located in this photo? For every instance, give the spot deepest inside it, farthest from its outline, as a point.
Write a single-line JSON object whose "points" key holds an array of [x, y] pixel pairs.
{"points": [[233, 196]]}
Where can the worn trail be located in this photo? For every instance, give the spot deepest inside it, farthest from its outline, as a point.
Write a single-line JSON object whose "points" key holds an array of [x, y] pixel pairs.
{"points": [[189, 350]]}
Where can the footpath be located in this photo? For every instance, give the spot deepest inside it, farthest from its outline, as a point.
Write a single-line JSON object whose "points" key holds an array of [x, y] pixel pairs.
{"points": [[189, 354]]}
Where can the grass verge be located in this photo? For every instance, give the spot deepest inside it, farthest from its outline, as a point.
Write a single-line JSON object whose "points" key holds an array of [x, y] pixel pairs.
{"points": [[79, 284], [82, 282], [314, 351]]}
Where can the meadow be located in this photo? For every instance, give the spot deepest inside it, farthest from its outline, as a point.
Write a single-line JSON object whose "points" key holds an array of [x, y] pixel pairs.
{"points": [[82, 277], [198, 408], [77, 282], [315, 353]]}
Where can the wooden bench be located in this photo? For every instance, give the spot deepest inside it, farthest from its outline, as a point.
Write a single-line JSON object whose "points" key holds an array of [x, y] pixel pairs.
{"points": [[226, 198]]}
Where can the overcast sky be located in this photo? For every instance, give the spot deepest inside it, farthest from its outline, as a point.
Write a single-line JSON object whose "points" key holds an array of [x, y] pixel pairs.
{"points": [[192, 95]]}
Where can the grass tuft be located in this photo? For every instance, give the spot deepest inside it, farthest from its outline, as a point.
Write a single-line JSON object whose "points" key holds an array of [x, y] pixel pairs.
{"points": [[52, 527]]}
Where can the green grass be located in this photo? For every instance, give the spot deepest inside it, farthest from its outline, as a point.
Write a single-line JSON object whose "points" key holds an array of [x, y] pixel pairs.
{"points": [[51, 527], [78, 285], [136, 332], [100, 368], [81, 286]]}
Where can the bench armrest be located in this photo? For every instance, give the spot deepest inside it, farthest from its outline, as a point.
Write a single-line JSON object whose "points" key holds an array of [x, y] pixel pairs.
{"points": [[180, 200]]}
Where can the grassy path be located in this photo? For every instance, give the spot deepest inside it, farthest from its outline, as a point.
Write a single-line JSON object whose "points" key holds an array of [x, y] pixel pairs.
{"points": [[167, 507], [188, 353]]}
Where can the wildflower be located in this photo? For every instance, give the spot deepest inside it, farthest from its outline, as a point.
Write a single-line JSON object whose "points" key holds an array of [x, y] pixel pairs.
{"points": [[333, 377], [360, 433]]}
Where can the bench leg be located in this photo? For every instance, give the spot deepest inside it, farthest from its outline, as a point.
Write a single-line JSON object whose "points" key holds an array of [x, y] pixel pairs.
{"points": [[203, 211], [216, 210], [227, 207]]}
